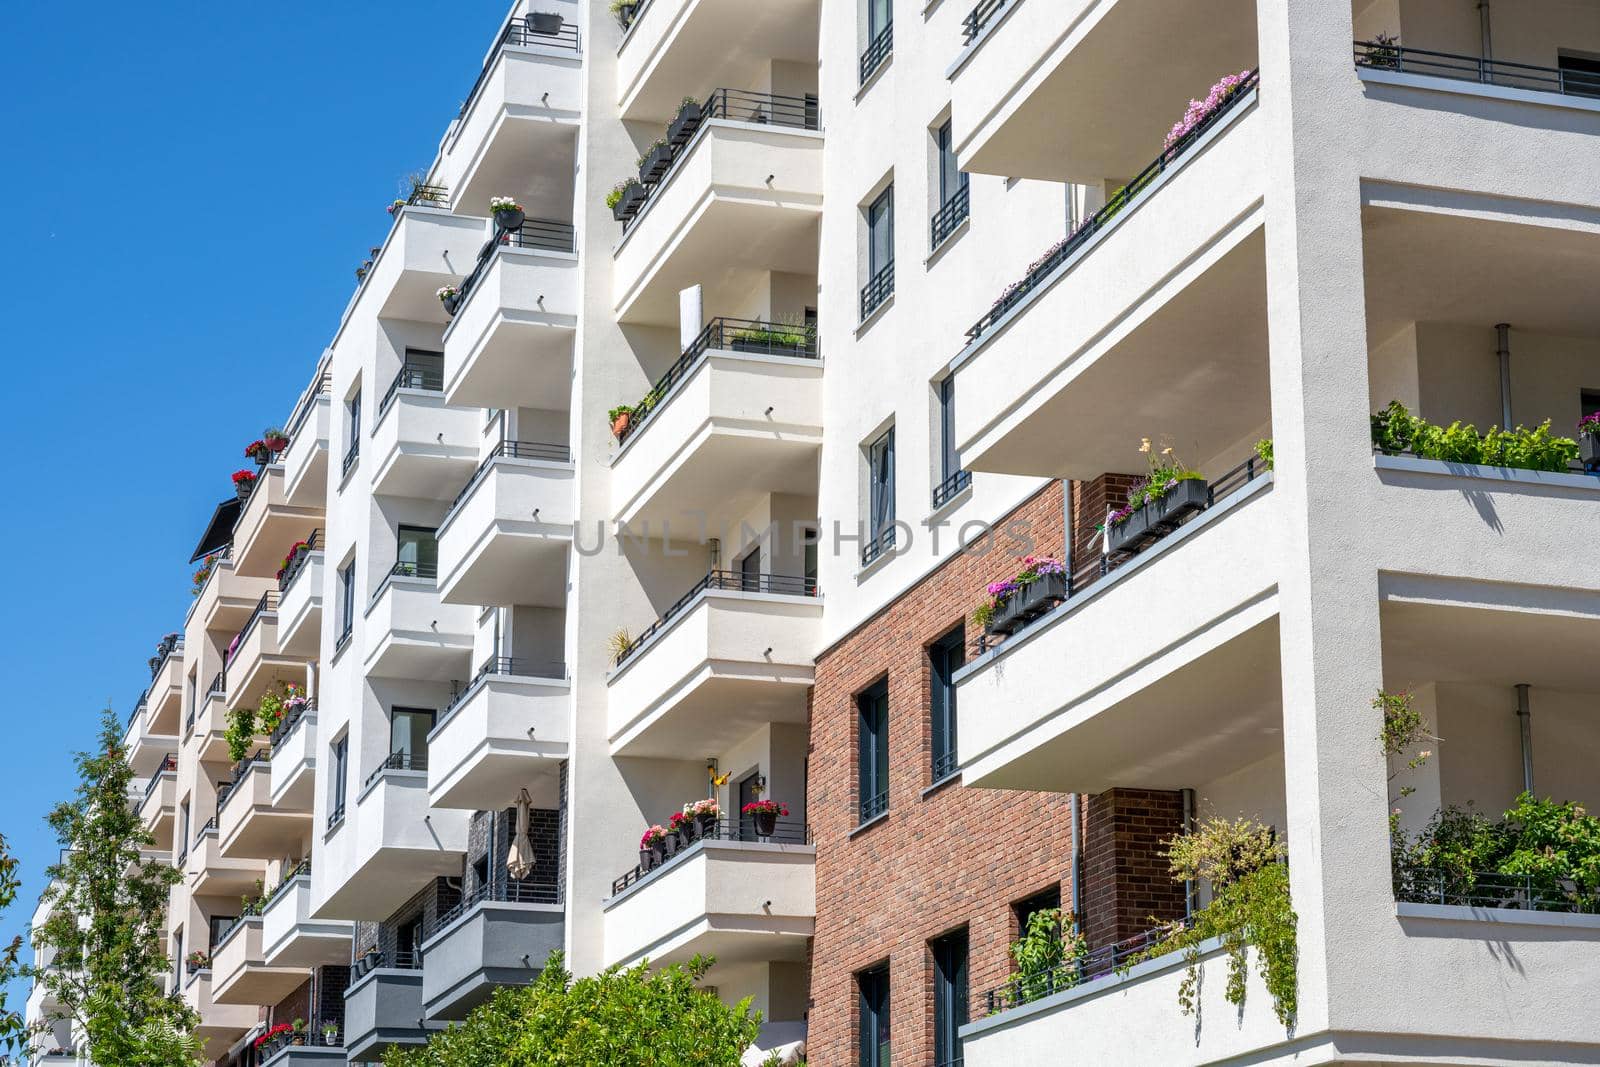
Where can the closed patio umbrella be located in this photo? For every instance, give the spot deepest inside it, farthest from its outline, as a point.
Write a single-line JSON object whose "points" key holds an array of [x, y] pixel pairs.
{"points": [[519, 861]]}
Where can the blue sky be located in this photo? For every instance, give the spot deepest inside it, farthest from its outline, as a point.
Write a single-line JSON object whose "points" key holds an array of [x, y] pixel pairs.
{"points": [[192, 188]]}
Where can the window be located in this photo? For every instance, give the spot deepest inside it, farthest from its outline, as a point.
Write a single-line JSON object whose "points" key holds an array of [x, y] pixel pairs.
{"points": [[340, 764], [408, 738], [872, 782], [1591, 402], [880, 497], [183, 826], [750, 570], [880, 252], [880, 37], [418, 553], [954, 200], [952, 479], [949, 997], [945, 656], [809, 549], [872, 986], [1045, 900], [347, 602], [1580, 75], [218, 926], [408, 943]]}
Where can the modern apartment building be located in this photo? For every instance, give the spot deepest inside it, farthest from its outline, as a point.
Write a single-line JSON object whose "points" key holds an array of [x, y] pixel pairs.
{"points": [[903, 293]]}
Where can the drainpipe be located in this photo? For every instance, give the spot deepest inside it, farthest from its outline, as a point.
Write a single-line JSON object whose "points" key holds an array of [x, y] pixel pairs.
{"points": [[1483, 31], [1077, 864], [1190, 889], [1525, 721], [1503, 350]]}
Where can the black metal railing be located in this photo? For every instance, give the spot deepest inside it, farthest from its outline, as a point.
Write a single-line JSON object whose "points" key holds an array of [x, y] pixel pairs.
{"points": [[268, 602], [730, 581], [627, 15], [879, 287], [1519, 892], [308, 401], [312, 1036], [509, 450], [301, 870], [516, 666], [1120, 201], [1080, 579], [292, 717], [951, 488], [424, 195], [497, 891], [873, 806], [735, 335], [950, 217], [877, 545], [406, 568], [209, 828], [736, 105], [552, 235], [944, 765], [785, 832], [218, 687], [351, 454], [399, 761], [1385, 55], [411, 376], [520, 33], [164, 650], [297, 561], [877, 53], [1022, 989], [335, 816], [241, 771], [374, 959], [980, 17], [169, 765]]}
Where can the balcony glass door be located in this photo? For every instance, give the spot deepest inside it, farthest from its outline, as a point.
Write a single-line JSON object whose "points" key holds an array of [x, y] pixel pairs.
{"points": [[418, 553], [408, 737], [750, 571]]}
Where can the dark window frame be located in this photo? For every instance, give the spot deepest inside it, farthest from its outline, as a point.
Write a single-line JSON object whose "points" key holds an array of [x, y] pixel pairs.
{"points": [[874, 1033], [951, 994], [872, 751], [945, 656]]}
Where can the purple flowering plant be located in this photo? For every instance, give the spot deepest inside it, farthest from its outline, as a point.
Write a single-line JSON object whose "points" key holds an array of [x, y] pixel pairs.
{"points": [[1589, 425]]}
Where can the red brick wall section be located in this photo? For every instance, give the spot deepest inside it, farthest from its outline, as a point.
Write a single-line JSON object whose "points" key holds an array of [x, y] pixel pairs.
{"points": [[1126, 881], [955, 857], [296, 1005], [1090, 502]]}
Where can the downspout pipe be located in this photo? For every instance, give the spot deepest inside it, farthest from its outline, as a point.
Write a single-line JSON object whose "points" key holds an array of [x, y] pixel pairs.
{"points": [[1190, 889], [1503, 351], [1483, 32], [1077, 864], [1525, 722]]}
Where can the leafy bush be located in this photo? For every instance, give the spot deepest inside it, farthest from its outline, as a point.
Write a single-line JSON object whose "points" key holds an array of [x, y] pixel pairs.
{"points": [[1043, 954], [622, 1018], [1396, 430]]}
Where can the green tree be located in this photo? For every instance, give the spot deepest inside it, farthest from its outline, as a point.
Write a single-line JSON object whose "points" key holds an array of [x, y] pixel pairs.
{"points": [[13, 1029], [621, 1018], [105, 911]]}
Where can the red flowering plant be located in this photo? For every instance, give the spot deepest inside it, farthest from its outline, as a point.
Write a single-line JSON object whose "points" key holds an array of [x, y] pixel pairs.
{"points": [[652, 837], [275, 440], [256, 450], [294, 550], [765, 807], [244, 477], [678, 821], [276, 1031]]}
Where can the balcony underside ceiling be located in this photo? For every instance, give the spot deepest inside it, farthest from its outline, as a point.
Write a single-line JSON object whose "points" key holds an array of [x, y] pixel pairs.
{"points": [[722, 705], [718, 477]]}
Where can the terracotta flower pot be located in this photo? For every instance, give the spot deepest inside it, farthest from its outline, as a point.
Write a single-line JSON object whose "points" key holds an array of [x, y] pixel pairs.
{"points": [[620, 424]]}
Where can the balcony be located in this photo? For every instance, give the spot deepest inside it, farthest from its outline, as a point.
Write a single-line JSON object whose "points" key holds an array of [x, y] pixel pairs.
{"points": [[411, 633], [220, 1024], [210, 873], [227, 598], [423, 448], [240, 973], [255, 663], [294, 760], [516, 133], [269, 524], [305, 461], [506, 730], [733, 653], [147, 749], [1167, 642], [498, 936], [208, 724], [741, 410], [505, 539], [742, 901], [1052, 375], [157, 806], [510, 343], [1043, 90], [389, 843], [164, 699], [674, 48], [290, 937], [427, 248], [383, 1007], [741, 199], [250, 826], [300, 600]]}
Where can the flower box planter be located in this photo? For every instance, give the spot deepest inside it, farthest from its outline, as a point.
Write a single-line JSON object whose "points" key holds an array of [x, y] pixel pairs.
{"points": [[669, 846], [1028, 603], [683, 127], [509, 220], [647, 859], [632, 200], [243, 490], [768, 348], [1589, 451], [543, 23], [1153, 521], [451, 303], [655, 163], [626, 13], [766, 823]]}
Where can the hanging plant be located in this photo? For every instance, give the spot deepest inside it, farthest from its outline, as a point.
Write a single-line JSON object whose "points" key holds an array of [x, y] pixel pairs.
{"points": [[241, 733]]}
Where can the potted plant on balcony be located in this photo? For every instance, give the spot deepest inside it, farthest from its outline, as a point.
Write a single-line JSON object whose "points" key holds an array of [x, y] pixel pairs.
{"points": [[773, 338], [258, 451], [198, 960], [621, 418], [685, 122], [702, 816], [275, 440], [1170, 493], [684, 828], [764, 814], [203, 575], [1014, 602], [244, 482], [450, 297], [1589, 441], [652, 848], [507, 212], [396, 206], [272, 1036], [625, 199], [330, 1034], [299, 1032], [543, 23], [624, 11], [654, 161]]}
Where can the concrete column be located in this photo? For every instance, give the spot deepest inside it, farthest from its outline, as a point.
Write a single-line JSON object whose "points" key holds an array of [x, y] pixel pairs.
{"points": [[1328, 590]]}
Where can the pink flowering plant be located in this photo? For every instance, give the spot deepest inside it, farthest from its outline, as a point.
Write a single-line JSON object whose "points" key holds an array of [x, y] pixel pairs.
{"points": [[1000, 593], [652, 837], [1199, 111], [1166, 471], [1589, 425]]}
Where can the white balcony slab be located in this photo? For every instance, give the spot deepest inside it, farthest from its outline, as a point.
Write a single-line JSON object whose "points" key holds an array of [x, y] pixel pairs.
{"points": [[250, 826], [505, 733], [240, 973], [506, 540], [290, 937], [423, 448], [411, 634], [389, 842], [305, 461], [300, 609], [510, 343], [269, 525]]}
